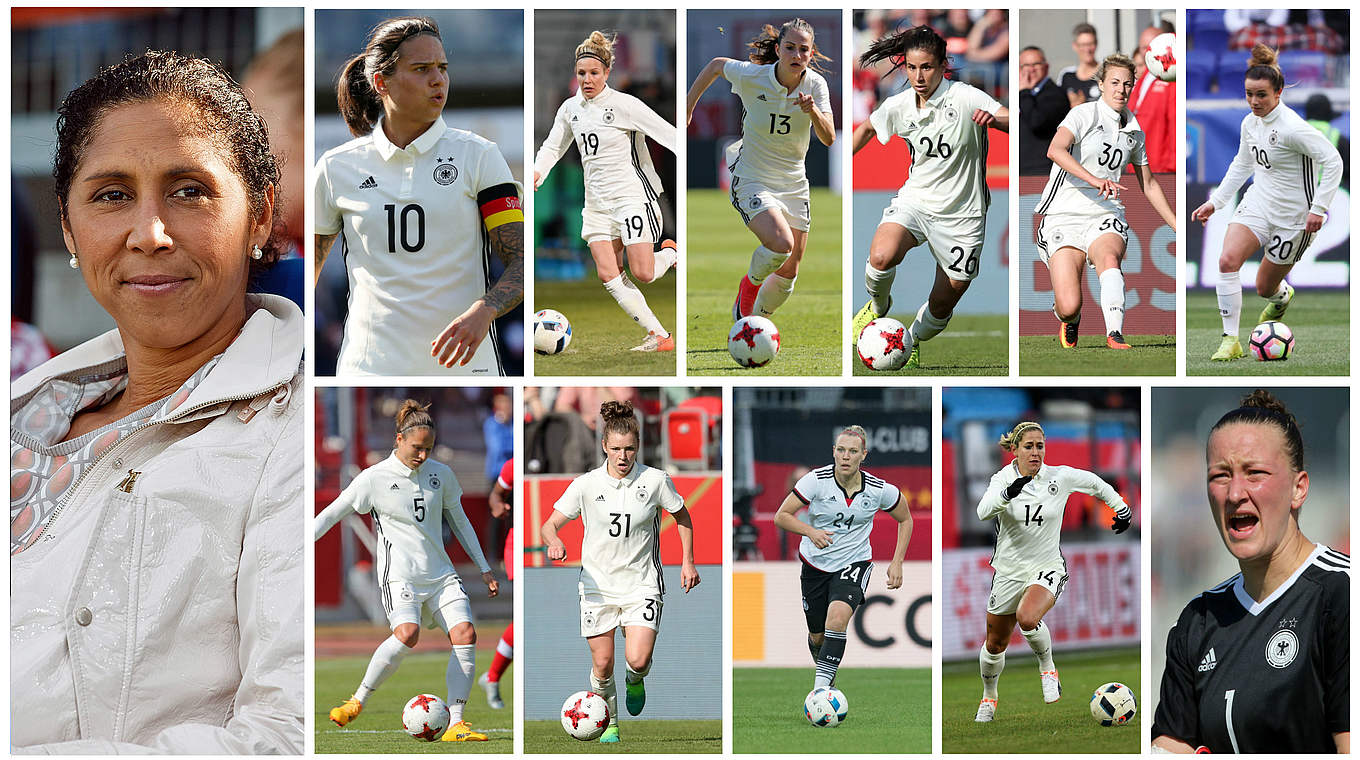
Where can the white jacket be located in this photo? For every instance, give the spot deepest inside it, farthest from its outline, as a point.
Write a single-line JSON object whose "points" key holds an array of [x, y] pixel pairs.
{"points": [[165, 615]]}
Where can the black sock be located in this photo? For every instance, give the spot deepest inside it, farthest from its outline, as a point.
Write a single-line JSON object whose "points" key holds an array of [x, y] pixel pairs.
{"points": [[829, 658]]}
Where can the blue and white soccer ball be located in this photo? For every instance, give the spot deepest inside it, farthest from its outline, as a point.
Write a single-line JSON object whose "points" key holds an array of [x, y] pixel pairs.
{"points": [[1113, 705], [1272, 341], [552, 332], [825, 707]]}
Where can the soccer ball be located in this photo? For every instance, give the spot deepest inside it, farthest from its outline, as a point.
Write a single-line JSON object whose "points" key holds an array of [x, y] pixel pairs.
{"points": [[585, 715], [1113, 705], [825, 707], [1160, 57], [1272, 341], [753, 341], [425, 717], [884, 344], [552, 332]]}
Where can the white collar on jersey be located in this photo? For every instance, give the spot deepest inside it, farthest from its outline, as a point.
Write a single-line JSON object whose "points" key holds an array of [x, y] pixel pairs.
{"points": [[1041, 475], [421, 145], [1274, 113], [626, 480], [775, 83], [1109, 113], [1254, 607], [398, 466], [605, 93]]}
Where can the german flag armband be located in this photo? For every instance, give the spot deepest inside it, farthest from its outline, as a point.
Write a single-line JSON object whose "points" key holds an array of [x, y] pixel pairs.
{"points": [[500, 205]]}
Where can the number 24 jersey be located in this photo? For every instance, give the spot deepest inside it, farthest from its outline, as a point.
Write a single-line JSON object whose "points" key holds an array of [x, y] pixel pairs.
{"points": [[849, 518]]}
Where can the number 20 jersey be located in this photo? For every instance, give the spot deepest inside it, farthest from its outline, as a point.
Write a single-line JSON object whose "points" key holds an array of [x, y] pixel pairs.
{"points": [[414, 243], [849, 518], [1104, 143]]}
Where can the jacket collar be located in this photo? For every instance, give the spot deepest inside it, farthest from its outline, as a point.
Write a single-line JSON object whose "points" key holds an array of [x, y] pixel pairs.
{"points": [[420, 146]]}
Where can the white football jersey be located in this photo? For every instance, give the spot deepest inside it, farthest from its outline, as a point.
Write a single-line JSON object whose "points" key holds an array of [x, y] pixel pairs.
{"points": [[1283, 154], [1028, 527], [407, 506], [621, 551], [610, 132], [774, 130], [1104, 143], [414, 243], [948, 149], [848, 517]]}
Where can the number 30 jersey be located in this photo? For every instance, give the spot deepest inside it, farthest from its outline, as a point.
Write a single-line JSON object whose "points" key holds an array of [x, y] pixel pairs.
{"points": [[1104, 143], [621, 550], [848, 517], [1028, 527], [408, 507], [414, 243]]}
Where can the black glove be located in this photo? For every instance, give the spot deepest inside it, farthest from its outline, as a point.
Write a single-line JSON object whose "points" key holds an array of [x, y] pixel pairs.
{"points": [[1121, 524], [1013, 490]]}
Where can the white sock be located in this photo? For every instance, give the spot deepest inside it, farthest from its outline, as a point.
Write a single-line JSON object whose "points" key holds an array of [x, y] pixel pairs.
{"points": [[662, 260], [927, 325], [634, 304], [764, 262], [991, 666], [1042, 645], [1112, 300], [384, 663], [633, 676], [605, 688], [879, 284], [774, 291], [1229, 289], [1278, 296], [458, 678], [505, 650]]}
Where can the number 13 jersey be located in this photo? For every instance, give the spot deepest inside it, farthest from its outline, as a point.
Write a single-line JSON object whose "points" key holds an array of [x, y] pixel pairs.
{"points": [[621, 549], [848, 517], [1104, 142]]}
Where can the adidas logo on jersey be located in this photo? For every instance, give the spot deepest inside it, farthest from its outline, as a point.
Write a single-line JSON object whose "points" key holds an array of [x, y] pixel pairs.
{"points": [[600, 498], [1210, 660], [761, 96], [395, 487], [369, 183], [575, 118]]}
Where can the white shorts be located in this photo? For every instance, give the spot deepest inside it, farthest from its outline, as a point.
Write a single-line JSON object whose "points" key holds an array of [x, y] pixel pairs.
{"points": [[1007, 592], [1283, 245], [1069, 231], [750, 198], [599, 616], [443, 604], [633, 223], [956, 243]]}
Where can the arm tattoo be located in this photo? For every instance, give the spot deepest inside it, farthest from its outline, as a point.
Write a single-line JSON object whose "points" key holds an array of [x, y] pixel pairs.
{"points": [[507, 242], [320, 250]]}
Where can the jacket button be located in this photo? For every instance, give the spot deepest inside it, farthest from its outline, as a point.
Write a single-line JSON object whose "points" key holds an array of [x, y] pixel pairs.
{"points": [[84, 616]]}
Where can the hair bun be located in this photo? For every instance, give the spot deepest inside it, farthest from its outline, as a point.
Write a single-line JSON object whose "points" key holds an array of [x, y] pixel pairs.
{"points": [[1263, 55], [1263, 399], [613, 410]]}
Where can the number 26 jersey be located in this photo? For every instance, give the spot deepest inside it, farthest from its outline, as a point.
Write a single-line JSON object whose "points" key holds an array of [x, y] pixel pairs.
{"points": [[848, 517], [1104, 142]]}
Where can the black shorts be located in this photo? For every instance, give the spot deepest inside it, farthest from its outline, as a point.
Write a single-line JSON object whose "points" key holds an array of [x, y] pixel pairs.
{"points": [[821, 588]]}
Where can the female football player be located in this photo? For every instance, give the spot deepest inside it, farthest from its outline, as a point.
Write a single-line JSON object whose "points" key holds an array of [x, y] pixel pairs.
{"points": [[842, 501], [1027, 498], [782, 96], [1295, 172], [1084, 222], [1261, 662], [421, 207], [621, 214], [621, 505], [944, 200], [410, 496], [502, 503]]}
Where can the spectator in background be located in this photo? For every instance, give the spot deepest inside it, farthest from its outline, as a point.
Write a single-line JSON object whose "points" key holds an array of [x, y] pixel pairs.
{"points": [[954, 27], [499, 433], [989, 39], [1318, 111], [1043, 105], [1237, 19], [1079, 81], [1284, 30], [1153, 103]]}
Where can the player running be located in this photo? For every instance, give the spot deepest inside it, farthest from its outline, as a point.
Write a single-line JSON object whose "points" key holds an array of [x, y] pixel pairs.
{"points": [[622, 214], [842, 501], [1295, 172], [621, 504], [420, 209], [1083, 217], [1261, 662], [408, 494], [502, 502], [944, 200], [782, 96], [1027, 498]]}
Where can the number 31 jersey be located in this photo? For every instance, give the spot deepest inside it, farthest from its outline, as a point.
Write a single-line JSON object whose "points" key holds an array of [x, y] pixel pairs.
{"points": [[848, 517], [621, 550], [414, 243], [1104, 143]]}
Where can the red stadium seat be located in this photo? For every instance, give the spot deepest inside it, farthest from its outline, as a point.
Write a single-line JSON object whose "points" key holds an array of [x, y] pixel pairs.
{"points": [[685, 437]]}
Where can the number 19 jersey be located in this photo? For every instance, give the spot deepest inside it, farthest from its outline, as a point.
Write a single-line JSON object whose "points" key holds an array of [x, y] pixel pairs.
{"points": [[621, 549], [848, 517], [1104, 141]]}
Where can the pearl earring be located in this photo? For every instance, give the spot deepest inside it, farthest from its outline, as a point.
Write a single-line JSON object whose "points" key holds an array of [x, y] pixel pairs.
{"points": [[256, 253], [75, 262]]}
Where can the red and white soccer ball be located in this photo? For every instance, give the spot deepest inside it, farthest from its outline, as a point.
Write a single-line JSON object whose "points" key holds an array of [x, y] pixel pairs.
{"points": [[1272, 341], [884, 344], [753, 341], [425, 717], [1161, 57], [585, 715]]}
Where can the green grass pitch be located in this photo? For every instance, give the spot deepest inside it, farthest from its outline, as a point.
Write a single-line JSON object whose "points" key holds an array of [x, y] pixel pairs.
{"points": [[973, 344], [1150, 355], [1024, 723], [718, 253], [650, 737], [1320, 320], [600, 334], [378, 728], [890, 712]]}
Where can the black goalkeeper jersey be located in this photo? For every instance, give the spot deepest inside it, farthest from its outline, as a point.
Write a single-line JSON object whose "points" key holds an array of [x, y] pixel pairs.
{"points": [[1269, 676]]}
